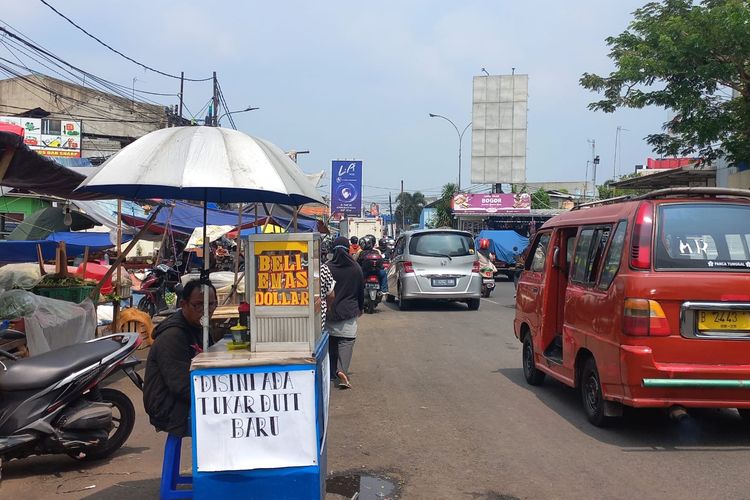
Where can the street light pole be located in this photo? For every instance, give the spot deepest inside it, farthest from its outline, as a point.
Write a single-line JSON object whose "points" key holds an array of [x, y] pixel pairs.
{"points": [[460, 142], [249, 108]]}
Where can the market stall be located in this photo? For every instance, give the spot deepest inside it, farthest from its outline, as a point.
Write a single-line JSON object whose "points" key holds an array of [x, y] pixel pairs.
{"points": [[212, 164]]}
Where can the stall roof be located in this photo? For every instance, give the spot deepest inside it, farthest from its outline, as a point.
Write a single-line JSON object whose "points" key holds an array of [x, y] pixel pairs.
{"points": [[185, 218], [22, 168], [687, 176], [75, 244]]}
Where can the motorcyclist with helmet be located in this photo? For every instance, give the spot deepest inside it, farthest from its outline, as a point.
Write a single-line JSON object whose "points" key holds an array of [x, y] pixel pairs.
{"points": [[385, 248], [354, 248], [485, 256], [370, 255]]}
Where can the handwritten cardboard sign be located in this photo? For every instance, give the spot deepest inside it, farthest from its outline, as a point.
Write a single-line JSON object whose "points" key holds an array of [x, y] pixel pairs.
{"points": [[246, 421]]}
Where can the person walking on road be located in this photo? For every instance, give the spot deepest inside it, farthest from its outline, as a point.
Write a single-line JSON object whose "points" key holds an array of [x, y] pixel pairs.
{"points": [[347, 306]]}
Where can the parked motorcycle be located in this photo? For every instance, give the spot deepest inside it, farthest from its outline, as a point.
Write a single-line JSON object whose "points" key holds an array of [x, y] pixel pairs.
{"points": [[52, 403], [158, 281]]}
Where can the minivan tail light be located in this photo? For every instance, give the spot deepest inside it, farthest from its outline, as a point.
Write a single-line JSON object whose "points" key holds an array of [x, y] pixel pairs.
{"points": [[644, 317], [408, 266], [475, 267], [640, 246]]}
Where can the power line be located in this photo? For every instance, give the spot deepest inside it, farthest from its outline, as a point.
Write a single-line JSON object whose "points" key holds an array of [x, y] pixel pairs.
{"points": [[118, 52], [24, 46], [48, 54]]}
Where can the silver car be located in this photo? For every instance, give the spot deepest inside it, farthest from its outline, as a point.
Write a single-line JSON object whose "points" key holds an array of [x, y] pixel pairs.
{"points": [[435, 264]]}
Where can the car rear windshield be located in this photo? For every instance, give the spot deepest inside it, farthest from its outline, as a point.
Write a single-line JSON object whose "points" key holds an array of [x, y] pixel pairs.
{"points": [[703, 236], [441, 244]]}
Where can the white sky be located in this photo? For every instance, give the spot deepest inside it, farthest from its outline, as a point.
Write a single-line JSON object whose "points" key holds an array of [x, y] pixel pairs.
{"points": [[350, 79]]}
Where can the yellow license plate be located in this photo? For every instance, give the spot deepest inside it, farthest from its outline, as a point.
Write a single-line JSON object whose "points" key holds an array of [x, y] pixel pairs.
{"points": [[724, 320]]}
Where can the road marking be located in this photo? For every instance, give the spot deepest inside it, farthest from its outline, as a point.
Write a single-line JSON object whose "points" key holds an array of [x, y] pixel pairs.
{"points": [[488, 300]]}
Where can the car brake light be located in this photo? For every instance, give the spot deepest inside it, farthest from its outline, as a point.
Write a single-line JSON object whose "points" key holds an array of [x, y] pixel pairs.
{"points": [[644, 317], [640, 246], [408, 267], [475, 267]]}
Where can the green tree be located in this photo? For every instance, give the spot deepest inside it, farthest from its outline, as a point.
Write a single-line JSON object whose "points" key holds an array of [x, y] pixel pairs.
{"points": [[443, 210], [408, 208], [539, 199], [692, 58]]}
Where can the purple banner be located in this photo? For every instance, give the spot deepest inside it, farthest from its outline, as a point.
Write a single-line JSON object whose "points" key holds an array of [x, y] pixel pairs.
{"points": [[346, 187], [494, 203]]}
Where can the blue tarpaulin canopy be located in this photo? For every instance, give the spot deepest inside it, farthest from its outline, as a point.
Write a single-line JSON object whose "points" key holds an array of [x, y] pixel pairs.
{"points": [[75, 245], [184, 218], [505, 244]]}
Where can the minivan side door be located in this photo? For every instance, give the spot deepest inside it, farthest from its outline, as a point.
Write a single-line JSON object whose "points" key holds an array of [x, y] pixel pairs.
{"points": [[531, 286]]}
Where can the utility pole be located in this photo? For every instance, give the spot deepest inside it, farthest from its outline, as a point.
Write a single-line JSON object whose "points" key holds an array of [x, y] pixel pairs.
{"points": [[215, 118], [390, 210], [403, 215], [594, 163], [182, 85]]}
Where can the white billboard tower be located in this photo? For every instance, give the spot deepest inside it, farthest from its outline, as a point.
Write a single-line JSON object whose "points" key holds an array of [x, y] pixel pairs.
{"points": [[498, 132]]}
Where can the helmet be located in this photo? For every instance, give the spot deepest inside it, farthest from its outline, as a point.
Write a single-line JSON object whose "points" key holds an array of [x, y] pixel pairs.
{"points": [[383, 243], [354, 240], [484, 244], [367, 242]]}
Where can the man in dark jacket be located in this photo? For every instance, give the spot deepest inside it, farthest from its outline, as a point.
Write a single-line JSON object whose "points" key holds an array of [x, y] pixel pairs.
{"points": [[177, 339]]}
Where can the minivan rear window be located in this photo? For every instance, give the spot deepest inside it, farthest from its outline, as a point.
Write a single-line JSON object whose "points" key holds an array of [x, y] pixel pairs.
{"points": [[703, 236], [441, 244]]}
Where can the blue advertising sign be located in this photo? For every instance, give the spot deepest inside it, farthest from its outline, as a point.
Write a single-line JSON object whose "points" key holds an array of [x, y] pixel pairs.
{"points": [[346, 187]]}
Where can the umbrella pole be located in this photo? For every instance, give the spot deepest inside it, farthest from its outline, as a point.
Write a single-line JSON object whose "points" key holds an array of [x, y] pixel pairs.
{"points": [[204, 275], [237, 242]]}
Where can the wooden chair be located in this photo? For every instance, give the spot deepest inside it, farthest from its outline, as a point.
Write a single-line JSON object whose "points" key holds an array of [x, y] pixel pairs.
{"points": [[136, 321]]}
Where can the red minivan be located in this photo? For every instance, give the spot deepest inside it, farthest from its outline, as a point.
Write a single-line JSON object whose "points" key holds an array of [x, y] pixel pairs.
{"points": [[642, 301]]}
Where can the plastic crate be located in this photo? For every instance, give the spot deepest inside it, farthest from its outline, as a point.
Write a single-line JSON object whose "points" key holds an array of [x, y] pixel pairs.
{"points": [[75, 294]]}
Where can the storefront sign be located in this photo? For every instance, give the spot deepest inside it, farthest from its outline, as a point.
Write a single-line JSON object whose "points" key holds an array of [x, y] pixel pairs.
{"points": [[346, 187], [282, 277], [261, 420], [50, 137], [494, 203]]}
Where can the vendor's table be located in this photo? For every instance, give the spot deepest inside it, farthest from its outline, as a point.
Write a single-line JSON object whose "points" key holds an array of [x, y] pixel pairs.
{"points": [[259, 423]]}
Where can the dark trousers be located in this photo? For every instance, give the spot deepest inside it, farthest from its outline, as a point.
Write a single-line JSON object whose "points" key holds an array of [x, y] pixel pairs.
{"points": [[340, 354]]}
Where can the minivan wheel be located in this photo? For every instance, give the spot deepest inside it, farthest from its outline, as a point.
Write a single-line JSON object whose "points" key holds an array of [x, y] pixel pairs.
{"points": [[473, 304], [591, 394], [530, 372], [403, 304]]}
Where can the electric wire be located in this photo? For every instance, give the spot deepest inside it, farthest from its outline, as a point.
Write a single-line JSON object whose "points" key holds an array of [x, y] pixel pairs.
{"points": [[28, 44], [120, 53]]}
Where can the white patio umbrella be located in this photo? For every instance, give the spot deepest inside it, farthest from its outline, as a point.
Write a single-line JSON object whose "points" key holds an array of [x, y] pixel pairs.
{"points": [[204, 164]]}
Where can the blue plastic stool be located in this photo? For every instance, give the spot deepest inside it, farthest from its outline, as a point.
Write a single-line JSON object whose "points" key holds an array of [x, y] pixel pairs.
{"points": [[170, 471]]}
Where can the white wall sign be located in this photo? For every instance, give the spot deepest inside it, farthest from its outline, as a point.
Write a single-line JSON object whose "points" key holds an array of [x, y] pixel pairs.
{"points": [[246, 421]]}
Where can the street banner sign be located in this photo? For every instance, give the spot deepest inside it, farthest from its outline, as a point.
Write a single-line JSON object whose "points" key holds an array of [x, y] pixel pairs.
{"points": [[346, 187], [495, 203]]}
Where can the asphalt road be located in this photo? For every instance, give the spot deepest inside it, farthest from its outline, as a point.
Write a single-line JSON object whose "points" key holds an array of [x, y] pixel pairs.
{"points": [[440, 408]]}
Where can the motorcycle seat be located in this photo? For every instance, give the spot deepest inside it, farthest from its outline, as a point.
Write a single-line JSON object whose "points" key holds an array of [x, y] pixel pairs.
{"points": [[45, 369]]}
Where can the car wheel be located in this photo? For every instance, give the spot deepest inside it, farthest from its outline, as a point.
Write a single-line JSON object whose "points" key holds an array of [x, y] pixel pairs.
{"points": [[591, 394], [403, 304], [473, 304], [530, 372]]}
